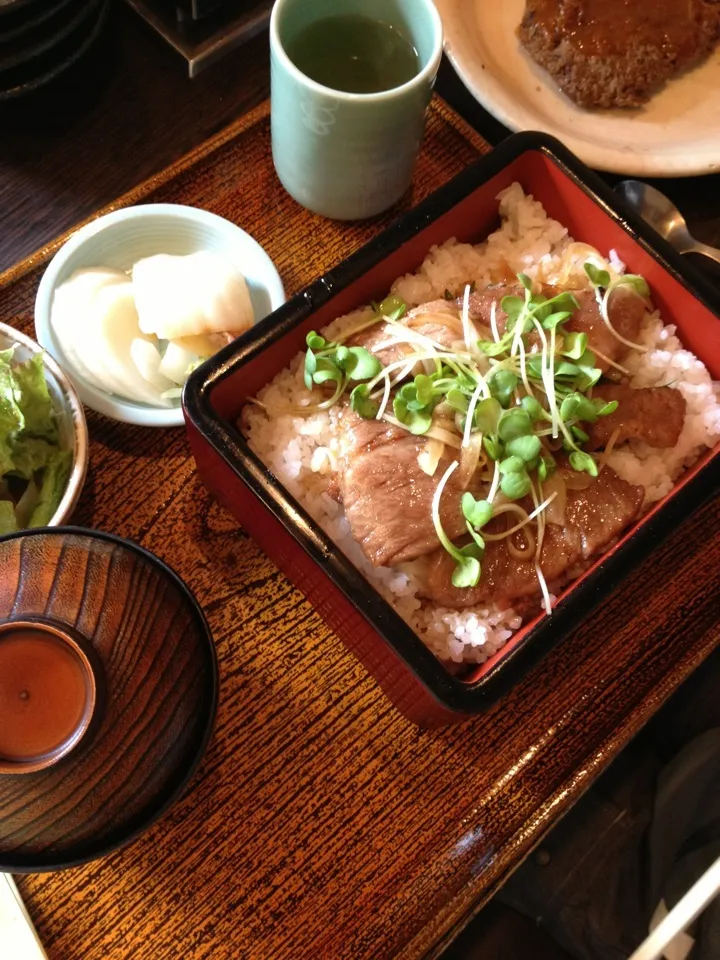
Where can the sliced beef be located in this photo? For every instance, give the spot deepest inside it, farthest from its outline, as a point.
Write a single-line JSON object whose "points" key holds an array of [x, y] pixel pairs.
{"points": [[481, 301], [617, 53], [655, 415], [442, 333], [594, 517], [504, 579], [626, 311], [387, 497], [417, 314]]}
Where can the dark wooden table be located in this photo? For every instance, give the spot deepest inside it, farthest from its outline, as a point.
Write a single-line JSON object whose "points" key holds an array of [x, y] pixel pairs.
{"points": [[131, 111], [321, 824]]}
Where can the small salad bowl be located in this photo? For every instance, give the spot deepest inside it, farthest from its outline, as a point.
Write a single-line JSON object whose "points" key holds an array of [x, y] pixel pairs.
{"points": [[118, 240], [72, 431]]}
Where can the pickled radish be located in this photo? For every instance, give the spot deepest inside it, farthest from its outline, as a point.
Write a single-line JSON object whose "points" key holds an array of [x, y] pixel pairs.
{"points": [[147, 359], [201, 293], [69, 306], [177, 362], [203, 345], [139, 338], [114, 319]]}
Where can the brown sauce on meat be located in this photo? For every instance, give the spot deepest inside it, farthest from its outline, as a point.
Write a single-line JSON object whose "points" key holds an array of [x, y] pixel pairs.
{"points": [[605, 27], [617, 53]]}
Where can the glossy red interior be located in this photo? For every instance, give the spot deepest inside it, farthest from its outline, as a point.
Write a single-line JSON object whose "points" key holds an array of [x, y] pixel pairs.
{"points": [[470, 220]]}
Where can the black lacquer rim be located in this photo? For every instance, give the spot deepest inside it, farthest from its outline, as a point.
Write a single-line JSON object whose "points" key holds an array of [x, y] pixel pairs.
{"points": [[36, 19], [10, 8], [44, 45], [90, 30], [451, 692], [142, 821]]}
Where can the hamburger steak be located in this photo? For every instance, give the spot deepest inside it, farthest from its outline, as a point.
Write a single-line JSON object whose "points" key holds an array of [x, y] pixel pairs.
{"points": [[617, 53]]}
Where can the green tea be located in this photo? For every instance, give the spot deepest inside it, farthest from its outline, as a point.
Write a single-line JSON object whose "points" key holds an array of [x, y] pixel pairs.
{"points": [[354, 54]]}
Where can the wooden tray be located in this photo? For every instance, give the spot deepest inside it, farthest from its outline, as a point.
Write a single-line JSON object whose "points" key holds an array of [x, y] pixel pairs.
{"points": [[322, 824]]}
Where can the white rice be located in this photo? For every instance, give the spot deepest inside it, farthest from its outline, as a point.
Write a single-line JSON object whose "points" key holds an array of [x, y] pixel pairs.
{"points": [[302, 451]]}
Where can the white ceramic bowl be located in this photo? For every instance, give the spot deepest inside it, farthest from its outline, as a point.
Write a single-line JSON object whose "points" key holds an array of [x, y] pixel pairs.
{"points": [[70, 414], [120, 239]]}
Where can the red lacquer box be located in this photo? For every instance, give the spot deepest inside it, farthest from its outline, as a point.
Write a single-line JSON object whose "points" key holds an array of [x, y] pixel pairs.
{"points": [[420, 685]]}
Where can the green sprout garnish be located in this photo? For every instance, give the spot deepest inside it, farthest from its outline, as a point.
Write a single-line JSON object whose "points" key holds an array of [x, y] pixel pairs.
{"points": [[596, 276], [502, 386], [361, 402], [476, 512], [414, 403], [467, 559], [517, 398], [601, 279], [330, 362], [391, 308]]}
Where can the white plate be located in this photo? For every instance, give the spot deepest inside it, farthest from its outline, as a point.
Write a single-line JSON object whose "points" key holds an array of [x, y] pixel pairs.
{"points": [[676, 134]]}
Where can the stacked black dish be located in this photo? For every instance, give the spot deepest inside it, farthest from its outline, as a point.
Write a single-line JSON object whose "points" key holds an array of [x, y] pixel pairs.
{"points": [[40, 39]]}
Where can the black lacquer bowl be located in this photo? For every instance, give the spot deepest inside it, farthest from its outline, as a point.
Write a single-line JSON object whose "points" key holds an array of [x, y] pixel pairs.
{"points": [[156, 674]]}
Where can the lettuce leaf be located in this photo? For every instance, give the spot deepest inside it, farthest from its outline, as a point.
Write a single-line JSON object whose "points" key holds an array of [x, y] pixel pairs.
{"points": [[12, 420], [30, 454], [54, 481], [29, 445], [8, 520], [34, 400]]}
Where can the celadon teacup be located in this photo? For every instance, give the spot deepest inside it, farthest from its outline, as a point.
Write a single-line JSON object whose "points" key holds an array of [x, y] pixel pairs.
{"points": [[344, 155]]}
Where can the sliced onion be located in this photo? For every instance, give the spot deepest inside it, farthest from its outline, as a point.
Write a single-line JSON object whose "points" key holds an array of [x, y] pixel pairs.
{"points": [[430, 456], [436, 433], [506, 508], [469, 459], [444, 411], [573, 260], [574, 480], [442, 424], [450, 320], [609, 448], [526, 552], [445, 436], [555, 512]]}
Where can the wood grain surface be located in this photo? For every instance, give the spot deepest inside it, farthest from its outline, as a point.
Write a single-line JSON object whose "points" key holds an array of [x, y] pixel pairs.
{"points": [[124, 113], [322, 824], [157, 689]]}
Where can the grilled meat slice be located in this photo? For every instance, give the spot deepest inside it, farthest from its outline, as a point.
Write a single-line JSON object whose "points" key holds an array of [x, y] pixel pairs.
{"points": [[626, 311], [504, 579], [420, 320], [655, 415], [617, 53], [387, 497], [594, 517]]}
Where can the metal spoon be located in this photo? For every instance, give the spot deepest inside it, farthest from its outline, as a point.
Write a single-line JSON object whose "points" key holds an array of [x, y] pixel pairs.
{"points": [[657, 210]]}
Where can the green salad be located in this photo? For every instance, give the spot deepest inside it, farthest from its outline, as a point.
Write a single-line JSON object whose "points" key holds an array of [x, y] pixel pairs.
{"points": [[34, 470]]}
